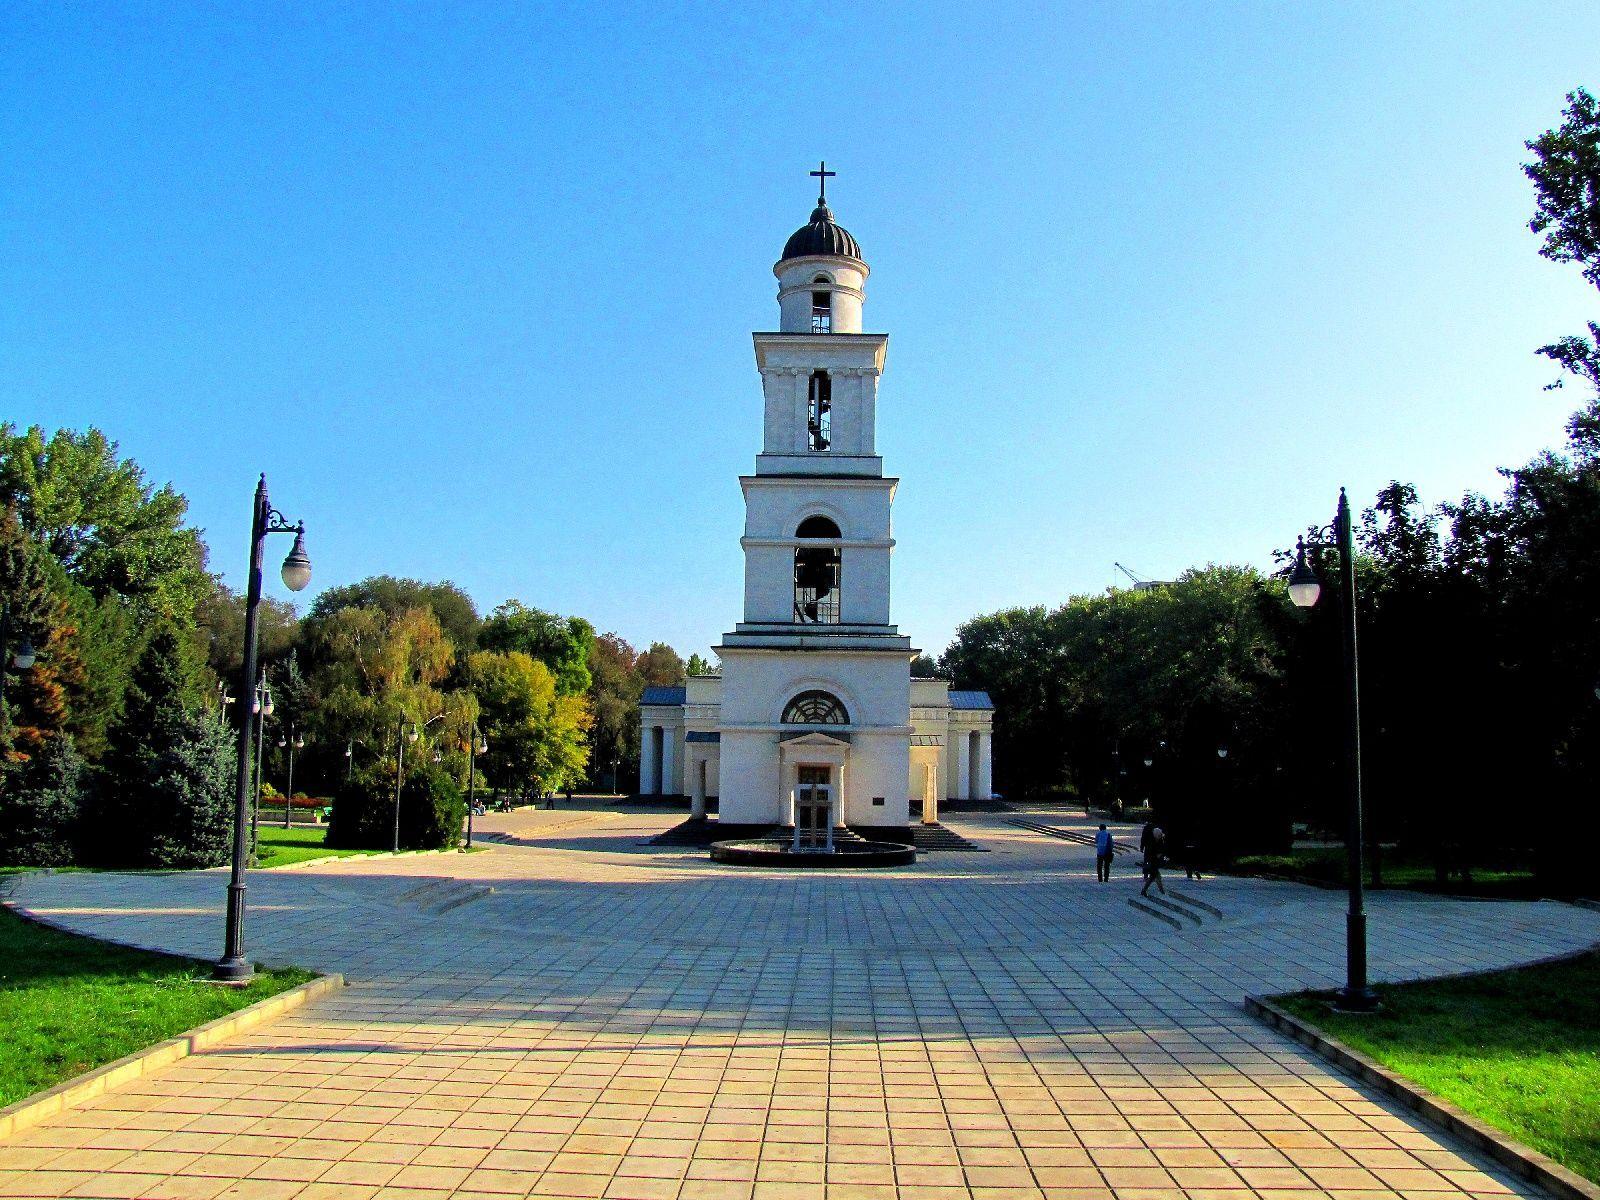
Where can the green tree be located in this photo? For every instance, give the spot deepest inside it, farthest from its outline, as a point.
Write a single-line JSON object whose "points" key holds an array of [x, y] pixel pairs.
{"points": [[432, 811], [37, 703], [220, 617], [95, 514], [40, 803], [614, 689], [451, 607], [167, 785], [700, 666], [536, 735], [563, 644], [1566, 180], [661, 666]]}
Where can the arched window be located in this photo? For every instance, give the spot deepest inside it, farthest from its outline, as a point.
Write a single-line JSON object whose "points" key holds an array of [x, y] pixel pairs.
{"points": [[821, 307], [817, 527], [819, 412], [816, 708], [816, 574]]}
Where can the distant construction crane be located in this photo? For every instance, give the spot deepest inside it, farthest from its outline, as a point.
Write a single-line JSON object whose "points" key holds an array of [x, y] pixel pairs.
{"points": [[1139, 584]]}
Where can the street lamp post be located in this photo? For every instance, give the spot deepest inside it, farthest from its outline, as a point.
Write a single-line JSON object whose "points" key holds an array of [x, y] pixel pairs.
{"points": [[232, 967], [261, 707], [294, 741], [402, 736], [476, 744], [1304, 590]]}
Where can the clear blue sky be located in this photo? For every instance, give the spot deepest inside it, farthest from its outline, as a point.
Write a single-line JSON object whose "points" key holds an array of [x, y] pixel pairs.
{"points": [[474, 284]]}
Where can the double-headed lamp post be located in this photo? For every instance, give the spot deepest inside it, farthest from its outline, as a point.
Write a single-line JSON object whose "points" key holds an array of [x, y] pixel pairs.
{"points": [[404, 735], [292, 741], [261, 708], [233, 967], [1304, 590]]}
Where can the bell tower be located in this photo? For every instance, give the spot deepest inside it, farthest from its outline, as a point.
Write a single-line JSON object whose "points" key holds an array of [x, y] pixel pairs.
{"points": [[817, 544]]}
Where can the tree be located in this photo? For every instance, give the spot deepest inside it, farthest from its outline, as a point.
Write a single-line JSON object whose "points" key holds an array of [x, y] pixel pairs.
{"points": [[925, 666], [40, 803], [660, 666], [562, 643], [614, 689], [431, 809], [37, 700], [220, 617], [166, 798], [701, 666], [536, 735], [1566, 180], [452, 608], [95, 514]]}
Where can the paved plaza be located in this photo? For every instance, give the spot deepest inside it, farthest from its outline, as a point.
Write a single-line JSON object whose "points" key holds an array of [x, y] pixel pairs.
{"points": [[575, 1013]]}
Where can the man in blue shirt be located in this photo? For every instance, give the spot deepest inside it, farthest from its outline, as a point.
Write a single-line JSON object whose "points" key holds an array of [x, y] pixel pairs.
{"points": [[1103, 853]]}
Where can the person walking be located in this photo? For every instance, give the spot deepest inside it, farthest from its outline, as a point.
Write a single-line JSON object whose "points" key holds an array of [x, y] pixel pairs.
{"points": [[1153, 841], [1104, 851]]}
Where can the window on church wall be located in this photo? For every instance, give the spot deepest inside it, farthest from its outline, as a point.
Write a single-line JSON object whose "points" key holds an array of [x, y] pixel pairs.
{"points": [[819, 412], [816, 574], [816, 708]]}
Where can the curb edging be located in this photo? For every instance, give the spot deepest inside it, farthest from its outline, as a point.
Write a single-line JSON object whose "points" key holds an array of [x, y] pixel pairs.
{"points": [[1523, 1160], [70, 1093]]}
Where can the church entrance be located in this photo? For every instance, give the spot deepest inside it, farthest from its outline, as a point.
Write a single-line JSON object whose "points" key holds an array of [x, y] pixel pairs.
{"points": [[813, 808]]}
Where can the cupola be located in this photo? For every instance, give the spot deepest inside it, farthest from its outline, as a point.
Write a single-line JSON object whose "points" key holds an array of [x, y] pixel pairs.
{"points": [[821, 273]]}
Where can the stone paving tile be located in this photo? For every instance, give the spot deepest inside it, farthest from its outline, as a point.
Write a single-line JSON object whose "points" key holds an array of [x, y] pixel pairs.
{"points": [[620, 1021]]}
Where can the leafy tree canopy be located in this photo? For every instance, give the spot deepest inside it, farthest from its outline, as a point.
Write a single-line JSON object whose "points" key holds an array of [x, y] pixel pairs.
{"points": [[113, 532], [562, 643], [452, 608]]}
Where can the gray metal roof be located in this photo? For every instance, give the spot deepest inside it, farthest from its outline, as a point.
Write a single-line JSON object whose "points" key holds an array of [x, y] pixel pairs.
{"points": [[702, 735], [664, 695], [970, 700]]}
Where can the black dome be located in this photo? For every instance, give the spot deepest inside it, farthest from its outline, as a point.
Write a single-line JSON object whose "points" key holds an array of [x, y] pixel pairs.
{"points": [[821, 236]]}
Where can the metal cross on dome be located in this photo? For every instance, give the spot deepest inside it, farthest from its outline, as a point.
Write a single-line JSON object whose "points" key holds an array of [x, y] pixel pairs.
{"points": [[822, 173]]}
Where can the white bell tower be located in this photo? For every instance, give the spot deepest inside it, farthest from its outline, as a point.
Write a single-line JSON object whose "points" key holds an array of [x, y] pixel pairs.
{"points": [[816, 680]]}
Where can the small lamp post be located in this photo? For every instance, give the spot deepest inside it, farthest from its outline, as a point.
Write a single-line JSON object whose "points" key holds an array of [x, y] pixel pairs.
{"points": [[261, 707], [1304, 591], [404, 735], [293, 741], [232, 967]]}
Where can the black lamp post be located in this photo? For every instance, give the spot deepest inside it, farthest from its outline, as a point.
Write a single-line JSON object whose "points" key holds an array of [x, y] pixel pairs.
{"points": [[293, 741], [261, 707], [402, 736], [1304, 590], [232, 967]]}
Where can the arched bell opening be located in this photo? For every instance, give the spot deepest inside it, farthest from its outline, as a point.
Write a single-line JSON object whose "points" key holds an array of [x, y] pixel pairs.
{"points": [[816, 574], [819, 412]]}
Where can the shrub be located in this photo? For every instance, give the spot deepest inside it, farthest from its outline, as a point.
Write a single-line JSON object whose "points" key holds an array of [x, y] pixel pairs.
{"points": [[431, 811], [40, 807]]}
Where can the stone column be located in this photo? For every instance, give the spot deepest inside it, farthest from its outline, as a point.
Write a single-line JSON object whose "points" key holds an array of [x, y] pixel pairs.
{"points": [[802, 407], [985, 766], [649, 781], [930, 794], [788, 781], [838, 798], [697, 783], [669, 762], [963, 787]]}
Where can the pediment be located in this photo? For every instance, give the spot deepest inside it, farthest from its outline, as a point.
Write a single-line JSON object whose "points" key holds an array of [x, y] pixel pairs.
{"points": [[815, 738]]}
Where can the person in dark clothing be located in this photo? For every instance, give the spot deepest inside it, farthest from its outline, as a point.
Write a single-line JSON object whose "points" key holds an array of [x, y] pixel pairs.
{"points": [[1153, 842]]}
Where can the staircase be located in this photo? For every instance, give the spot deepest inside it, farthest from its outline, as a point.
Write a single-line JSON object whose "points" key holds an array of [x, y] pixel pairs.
{"points": [[936, 837], [1177, 909]]}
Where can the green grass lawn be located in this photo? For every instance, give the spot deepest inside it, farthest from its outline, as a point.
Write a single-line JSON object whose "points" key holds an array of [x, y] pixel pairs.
{"points": [[1326, 864], [69, 1004], [278, 845], [1519, 1049]]}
